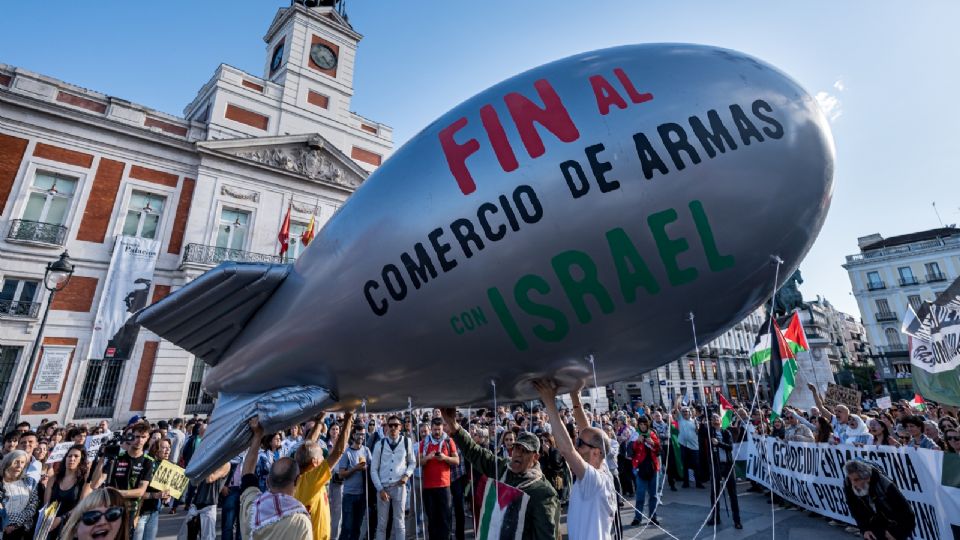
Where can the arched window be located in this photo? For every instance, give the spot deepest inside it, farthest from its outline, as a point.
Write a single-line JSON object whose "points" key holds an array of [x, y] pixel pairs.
{"points": [[893, 337]]}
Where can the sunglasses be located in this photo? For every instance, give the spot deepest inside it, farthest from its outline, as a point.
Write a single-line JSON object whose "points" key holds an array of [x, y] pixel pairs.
{"points": [[393, 425], [581, 442], [952, 438], [92, 517]]}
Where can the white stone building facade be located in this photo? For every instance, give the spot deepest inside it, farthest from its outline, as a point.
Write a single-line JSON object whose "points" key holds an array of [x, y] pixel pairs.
{"points": [[79, 168], [890, 274]]}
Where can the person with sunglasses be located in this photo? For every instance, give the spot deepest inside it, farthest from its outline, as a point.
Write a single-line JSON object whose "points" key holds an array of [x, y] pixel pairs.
{"points": [[951, 436], [101, 515], [521, 470], [392, 462], [593, 500]]}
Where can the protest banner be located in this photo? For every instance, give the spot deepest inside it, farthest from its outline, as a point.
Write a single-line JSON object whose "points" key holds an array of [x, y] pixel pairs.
{"points": [[811, 475], [58, 452], [840, 395], [170, 478], [884, 403]]}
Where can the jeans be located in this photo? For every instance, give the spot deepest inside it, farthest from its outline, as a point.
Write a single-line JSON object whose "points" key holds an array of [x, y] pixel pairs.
{"points": [[456, 490], [648, 489], [438, 512], [691, 462], [398, 501], [147, 526], [230, 515], [336, 507], [354, 506]]}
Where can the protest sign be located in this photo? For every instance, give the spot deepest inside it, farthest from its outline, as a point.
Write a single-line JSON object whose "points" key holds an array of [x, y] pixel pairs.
{"points": [[840, 395], [884, 403], [58, 452], [811, 475], [94, 442], [170, 478]]}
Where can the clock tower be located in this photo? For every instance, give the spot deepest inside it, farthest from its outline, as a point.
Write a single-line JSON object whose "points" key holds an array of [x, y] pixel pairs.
{"points": [[306, 87]]}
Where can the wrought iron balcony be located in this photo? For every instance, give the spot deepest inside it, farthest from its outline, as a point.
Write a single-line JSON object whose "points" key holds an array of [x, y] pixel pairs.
{"points": [[25, 310], [876, 285], [886, 316], [908, 281], [22, 230], [213, 255], [900, 349], [936, 276]]}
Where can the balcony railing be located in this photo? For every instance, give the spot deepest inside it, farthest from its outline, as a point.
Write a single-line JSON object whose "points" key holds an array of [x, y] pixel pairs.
{"points": [[924, 245], [25, 310], [22, 230], [908, 281], [213, 255], [876, 285], [936, 276], [899, 349], [886, 316]]}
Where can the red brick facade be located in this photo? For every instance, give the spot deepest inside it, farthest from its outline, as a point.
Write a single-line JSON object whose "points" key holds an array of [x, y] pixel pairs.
{"points": [[103, 195], [11, 154], [159, 293], [318, 99], [183, 211], [152, 175], [244, 116], [366, 156], [82, 102], [144, 374], [70, 157], [78, 296]]}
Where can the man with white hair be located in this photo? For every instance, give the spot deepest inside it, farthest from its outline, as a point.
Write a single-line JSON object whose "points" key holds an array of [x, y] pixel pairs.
{"points": [[876, 504], [838, 417], [593, 500]]}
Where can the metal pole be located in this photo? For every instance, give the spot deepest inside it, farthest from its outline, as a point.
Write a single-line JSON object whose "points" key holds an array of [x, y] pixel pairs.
{"points": [[14, 415]]}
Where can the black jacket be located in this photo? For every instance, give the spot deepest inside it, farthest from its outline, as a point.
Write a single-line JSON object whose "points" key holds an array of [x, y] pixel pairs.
{"points": [[893, 512], [725, 446]]}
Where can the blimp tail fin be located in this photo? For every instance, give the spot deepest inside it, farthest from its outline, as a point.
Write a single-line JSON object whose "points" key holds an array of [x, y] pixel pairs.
{"points": [[228, 431], [207, 314]]}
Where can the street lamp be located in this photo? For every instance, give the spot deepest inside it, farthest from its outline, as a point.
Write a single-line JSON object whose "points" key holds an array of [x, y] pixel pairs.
{"points": [[55, 279]]}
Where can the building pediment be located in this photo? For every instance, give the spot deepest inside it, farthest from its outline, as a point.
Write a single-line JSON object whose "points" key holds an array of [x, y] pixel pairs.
{"points": [[309, 156]]}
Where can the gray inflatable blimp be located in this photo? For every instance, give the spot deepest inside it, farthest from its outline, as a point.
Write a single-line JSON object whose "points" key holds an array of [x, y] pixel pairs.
{"points": [[584, 207]]}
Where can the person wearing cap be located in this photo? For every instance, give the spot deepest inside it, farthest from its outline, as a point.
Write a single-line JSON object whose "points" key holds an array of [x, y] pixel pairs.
{"points": [[437, 454], [520, 470]]}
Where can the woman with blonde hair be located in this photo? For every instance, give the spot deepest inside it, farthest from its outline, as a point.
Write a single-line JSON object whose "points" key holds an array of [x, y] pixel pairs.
{"points": [[102, 514], [18, 496]]}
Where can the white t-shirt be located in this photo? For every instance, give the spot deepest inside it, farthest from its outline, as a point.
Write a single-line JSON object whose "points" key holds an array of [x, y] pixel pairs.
{"points": [[593, 504]]}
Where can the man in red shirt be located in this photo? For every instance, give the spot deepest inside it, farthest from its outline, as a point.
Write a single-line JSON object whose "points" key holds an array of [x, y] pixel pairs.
{"points": [[437, 453]]}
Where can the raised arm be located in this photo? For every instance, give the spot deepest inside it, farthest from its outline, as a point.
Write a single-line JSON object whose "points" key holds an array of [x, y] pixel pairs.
{"points": [[314, 434], [827, 413], [250, 460], [579, 417], [342, 440], [548, 394]]}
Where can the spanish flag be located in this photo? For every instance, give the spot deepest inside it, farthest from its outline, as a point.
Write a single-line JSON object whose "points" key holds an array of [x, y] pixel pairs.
{"points": [[307, 235]]}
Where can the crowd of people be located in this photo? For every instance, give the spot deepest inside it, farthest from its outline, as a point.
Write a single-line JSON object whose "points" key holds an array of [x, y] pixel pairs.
{"points": [[415, 473]]}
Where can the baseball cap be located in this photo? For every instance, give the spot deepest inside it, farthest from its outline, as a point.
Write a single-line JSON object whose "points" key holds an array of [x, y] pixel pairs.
{"points": [[134, 419], [529, 441]]}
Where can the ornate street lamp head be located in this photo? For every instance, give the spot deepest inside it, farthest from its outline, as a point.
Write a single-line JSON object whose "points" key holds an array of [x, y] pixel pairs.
{"points": [[58, 273]]}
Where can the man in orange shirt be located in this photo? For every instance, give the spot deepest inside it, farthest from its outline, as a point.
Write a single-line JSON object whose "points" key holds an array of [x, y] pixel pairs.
{"points": [[437, 453], [315, 474]]}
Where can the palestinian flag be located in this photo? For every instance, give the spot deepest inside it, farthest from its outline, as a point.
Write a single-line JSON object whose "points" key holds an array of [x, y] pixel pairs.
{"points": [[761, 351], [918, 402], [502, 509], [726, 412], [788, 375], [675, 448], [795, 336]]}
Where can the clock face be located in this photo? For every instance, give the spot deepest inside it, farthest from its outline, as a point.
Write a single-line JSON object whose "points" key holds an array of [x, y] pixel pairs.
{"points": [[277, 58], [323, 56]]}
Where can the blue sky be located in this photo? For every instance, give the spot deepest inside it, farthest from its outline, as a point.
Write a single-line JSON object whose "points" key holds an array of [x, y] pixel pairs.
{"points": [[887, 72]]}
